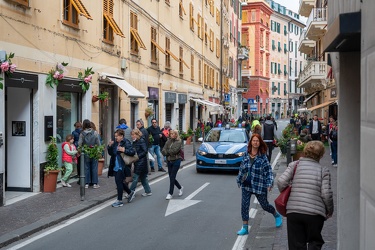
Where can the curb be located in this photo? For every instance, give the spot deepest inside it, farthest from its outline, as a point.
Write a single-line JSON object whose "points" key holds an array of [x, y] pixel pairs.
{"points": [[57, 218]]}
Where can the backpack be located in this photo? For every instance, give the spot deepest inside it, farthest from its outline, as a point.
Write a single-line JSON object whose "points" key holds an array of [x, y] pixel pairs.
{"points": [[89, 138]]}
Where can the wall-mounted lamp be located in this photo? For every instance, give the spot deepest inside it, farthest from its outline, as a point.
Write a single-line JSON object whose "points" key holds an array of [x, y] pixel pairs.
{"points": [[123, 64]]}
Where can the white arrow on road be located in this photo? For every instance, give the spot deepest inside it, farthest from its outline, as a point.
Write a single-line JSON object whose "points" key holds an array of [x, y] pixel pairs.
{"points": [[177, 205]]}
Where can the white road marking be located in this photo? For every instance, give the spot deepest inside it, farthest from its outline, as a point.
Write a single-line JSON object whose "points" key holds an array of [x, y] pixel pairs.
{"points": [[275, 161], [241, 241], [256, 200], [253, 212], [81, 217], [177, 205]]}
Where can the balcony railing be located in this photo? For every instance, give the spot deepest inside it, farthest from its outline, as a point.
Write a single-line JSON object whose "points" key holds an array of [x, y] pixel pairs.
{"points": [[305, 45], [314, 72], [317, 15]]}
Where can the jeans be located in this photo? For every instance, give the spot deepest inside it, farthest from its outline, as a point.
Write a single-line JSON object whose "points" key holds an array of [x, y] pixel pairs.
{"points": [[144, 182], [121, 186], [68, 170], [156, 149], [91, 170], [245, 204], [173, 167], [334, 151], [270, 148]]}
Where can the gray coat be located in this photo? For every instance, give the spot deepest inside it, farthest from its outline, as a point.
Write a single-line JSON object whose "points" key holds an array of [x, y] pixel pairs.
{"points": [[311, 189]]}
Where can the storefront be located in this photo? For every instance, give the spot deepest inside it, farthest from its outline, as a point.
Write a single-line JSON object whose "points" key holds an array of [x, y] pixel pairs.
{"points": [[182, 100], [153, 103], [170, 99]]}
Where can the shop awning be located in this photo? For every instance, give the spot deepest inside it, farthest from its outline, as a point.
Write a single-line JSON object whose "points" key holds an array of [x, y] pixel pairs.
{"points": [[322, 105], [311, 96], [215, 107], [125, 86]]}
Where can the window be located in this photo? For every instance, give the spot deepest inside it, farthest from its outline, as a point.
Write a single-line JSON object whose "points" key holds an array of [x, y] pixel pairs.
{"points": [[271, 67], [285, 30], [290, 67], [22, 2], [109, 24], [217, 48], [212, 7], [285, 91], [167, 55], [296, 50], [181, 9], [291, 46], [285, 49], [200, 71], [217, 80], [135, 40], [295, 69], [285, 71], [273, 88], [212, 41], [167, 2], [200, 28], [218, 16], [279, 46], [191, 13], [73, 8], [253, 15], [182, 61], [154, 46], [278, 69], [205, 74], [273, 45], [278, 28], [278, 88], [192, 67], [205, 34]]}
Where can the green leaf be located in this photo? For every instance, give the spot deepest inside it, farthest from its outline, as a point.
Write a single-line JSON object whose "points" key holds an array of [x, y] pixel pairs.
{"points": [[64, 64]]}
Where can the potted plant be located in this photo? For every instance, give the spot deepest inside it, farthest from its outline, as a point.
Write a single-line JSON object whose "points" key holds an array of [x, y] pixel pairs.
{"points": [[189, 134], [102, 97], [51, 169], [95, 152]]}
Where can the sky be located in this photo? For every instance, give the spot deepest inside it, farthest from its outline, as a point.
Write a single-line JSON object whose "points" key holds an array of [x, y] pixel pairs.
{"points": [[289, 4]]}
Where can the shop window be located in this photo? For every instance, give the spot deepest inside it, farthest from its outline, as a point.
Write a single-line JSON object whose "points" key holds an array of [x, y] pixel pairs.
{"points": [[168, 111]]}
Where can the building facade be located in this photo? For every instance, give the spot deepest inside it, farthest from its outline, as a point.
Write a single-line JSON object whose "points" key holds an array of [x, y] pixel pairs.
{"points": [[256, 20], [163, 55], [351, 48]]}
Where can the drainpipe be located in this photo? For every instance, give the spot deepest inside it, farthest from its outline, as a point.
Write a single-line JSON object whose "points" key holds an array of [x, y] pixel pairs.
{"points": [[221, 56]]}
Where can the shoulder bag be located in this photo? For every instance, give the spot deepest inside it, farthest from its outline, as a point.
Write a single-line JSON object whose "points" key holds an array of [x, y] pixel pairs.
{"points": [[129, 159], [282, 199]]}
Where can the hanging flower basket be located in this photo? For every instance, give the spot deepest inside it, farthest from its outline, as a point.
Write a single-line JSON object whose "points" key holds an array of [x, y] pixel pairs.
{"points": [[85, 79], [7, 67], [148, 111], [55, 76], [94, 98]]}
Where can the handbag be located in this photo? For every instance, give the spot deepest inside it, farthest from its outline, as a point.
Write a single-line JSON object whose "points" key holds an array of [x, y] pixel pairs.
{"points": [[282, 200], [129, 159]]}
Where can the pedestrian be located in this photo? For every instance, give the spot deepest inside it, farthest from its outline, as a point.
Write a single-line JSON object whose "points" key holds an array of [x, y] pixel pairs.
{"points": [[165, 134], [172, 151], [311, 201], [140, 166], [69, 152], [118, 167], [210, 123], [333, 136], [155, 132], [269, 135], [256, 169], [76, 132], [330, 125], [140, 126], [90, 138], [315, 129], [122, 125]]}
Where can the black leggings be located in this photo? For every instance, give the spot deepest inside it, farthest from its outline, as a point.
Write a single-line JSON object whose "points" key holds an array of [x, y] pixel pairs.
{"points": [[121, 186]]}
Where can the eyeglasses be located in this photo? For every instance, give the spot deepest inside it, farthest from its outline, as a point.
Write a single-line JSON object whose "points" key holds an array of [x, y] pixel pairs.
{"points": [[153, 122]]}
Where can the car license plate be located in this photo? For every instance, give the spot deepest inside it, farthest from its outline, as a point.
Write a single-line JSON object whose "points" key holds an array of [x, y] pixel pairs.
{"points": [[221, 161]]}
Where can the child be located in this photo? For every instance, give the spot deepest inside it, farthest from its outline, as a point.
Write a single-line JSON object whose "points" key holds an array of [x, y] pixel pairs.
{"points": [[68, 158]]}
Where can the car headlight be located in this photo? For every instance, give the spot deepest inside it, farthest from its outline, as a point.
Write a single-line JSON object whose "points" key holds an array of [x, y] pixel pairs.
{"points": [[240, 154], [202, 152]]}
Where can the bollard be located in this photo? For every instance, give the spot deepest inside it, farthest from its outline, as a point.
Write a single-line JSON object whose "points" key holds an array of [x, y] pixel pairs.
{"points": [[288, 155], [82, 181], [194, 144]]}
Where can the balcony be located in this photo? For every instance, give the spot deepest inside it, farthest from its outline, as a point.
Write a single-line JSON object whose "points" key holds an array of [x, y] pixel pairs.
{"points": [[243, 53], [316, 24], [305, 45], [305, 7], [313, 76]]}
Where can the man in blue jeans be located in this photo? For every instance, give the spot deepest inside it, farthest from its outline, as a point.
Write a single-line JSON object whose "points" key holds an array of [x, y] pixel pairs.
{"points": [[155, 132]]}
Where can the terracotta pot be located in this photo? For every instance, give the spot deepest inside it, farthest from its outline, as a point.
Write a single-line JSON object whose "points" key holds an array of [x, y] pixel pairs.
{"points": [[50, 181], [100, 166], [297, 155], [94, 98], [188, 140]]}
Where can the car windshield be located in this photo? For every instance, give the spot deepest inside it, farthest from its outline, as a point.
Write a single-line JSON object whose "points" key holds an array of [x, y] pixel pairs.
{"points": [[226, 136]]}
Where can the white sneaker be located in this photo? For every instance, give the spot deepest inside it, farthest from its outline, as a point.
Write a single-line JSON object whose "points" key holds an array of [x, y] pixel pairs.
{"points": [[181, 191], [63, 183], [169, 196], [68, 185], [334, 165], [87, 186], [146, 194], [96, 186]]}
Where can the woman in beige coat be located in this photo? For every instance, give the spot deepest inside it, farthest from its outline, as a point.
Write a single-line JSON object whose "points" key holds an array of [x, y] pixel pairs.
{"points": [[310, 202]]}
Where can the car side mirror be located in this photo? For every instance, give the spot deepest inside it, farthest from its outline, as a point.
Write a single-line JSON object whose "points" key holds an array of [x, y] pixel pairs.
{"points": [[200, 139]]}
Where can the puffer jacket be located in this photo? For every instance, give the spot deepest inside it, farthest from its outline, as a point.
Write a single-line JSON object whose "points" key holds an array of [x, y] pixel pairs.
{"points": [[140, 166], [172, 149], [311, 189]]}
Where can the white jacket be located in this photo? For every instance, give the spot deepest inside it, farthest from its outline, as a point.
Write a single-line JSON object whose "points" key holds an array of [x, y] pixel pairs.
{"points": [[311, 189]]}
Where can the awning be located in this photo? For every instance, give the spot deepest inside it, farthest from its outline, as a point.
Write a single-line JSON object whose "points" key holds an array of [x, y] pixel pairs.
{"points": [[127, 87], [215, 107], [311, 96], [322, 105]]}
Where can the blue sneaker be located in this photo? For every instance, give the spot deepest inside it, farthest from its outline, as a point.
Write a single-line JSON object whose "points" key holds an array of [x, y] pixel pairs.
{"points": [[117, 204], [278, 220], [131, 196], [244, 230]]}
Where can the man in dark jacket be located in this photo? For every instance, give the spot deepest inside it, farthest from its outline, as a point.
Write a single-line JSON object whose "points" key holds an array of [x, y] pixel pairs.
{"points": [[127, 130], [269, 135], [140, 125], [315, 128], [155, 132]]}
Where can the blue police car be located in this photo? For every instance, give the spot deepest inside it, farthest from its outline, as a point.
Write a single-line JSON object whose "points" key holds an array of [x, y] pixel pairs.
{"points": [[222, 149]]}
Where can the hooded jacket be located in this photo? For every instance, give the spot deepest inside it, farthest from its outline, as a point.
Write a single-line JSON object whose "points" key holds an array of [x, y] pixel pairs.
{"points": [[127, 131]]}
